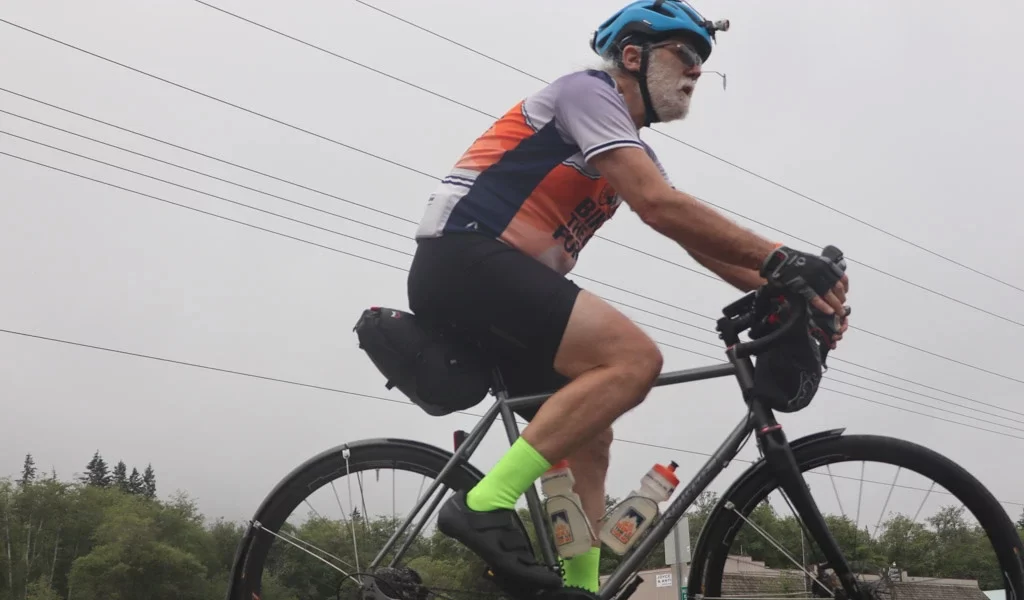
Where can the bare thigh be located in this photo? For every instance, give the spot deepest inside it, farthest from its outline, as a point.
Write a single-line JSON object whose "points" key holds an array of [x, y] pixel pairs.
{"points": [[598, 335], [612, 365]]}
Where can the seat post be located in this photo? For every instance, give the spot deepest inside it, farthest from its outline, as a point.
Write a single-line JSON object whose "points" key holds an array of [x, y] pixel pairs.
{"points": [[498, 385]]}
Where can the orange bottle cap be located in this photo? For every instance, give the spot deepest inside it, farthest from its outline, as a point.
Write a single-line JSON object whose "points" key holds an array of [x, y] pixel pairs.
{"points": [[668, 473]]}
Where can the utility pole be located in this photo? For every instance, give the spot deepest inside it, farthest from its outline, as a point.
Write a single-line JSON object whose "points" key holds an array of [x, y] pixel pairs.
{"points": [[677, 553]]}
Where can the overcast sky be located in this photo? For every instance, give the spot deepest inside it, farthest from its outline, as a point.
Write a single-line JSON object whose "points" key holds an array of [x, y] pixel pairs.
{"points": [[905, 115]]}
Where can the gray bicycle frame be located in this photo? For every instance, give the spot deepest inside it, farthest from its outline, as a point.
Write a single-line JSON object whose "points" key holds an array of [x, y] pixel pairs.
{"points": [[505, 407]]}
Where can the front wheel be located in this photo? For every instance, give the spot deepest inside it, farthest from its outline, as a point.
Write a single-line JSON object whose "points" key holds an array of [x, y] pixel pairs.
{"points": [[747, 549]]}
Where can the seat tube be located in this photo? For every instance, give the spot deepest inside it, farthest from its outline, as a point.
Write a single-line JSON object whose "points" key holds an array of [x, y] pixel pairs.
{"points": [[537, 513]]}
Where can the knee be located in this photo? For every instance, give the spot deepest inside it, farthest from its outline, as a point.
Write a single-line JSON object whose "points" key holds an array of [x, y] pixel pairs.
{"points": [[640, 364]]}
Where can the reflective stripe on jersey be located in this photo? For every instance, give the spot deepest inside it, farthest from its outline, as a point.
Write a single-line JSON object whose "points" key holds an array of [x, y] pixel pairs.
{"points": [[526, 180]]}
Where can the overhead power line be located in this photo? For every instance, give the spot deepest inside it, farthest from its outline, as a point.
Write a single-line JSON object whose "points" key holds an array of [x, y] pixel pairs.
{"points": [[398, 217], [405, 270], [191, 151], [421, 172], [711, 155], [829, 377], [821, 387], [190, 170], [196, 365], [221, 198], [192, 208]]}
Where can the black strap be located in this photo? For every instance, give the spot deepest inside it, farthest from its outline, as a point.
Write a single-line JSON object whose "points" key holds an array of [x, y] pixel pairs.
{"points": [[650, 115]]}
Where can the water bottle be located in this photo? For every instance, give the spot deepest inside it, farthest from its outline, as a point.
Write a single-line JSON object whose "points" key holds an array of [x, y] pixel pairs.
{"points": [[628, 521], [569, 525]]}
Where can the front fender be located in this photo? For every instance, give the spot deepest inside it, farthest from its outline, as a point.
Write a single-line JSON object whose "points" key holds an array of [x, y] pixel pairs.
{"points": [[700, 550]]}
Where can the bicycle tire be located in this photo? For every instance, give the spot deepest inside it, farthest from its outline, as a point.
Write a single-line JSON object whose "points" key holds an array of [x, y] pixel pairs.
{"points": [[712, 549], [304, 480]]}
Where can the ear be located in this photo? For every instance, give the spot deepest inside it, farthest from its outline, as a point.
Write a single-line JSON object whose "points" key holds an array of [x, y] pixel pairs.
{"points": [[631, 58]]}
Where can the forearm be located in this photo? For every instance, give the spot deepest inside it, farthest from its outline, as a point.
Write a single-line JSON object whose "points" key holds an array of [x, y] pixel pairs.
{"points": [[743, 279], [702, 229], [677, 215]]}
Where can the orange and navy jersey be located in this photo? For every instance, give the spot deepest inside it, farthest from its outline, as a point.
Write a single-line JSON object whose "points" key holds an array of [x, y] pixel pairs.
{"points": [[527, 181]]}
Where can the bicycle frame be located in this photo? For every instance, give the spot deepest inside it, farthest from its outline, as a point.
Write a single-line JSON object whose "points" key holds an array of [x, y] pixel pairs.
{"points": [[759, 419]]}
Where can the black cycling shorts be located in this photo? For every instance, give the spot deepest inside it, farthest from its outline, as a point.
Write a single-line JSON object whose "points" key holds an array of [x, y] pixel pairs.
{"points": [[506, 300]]}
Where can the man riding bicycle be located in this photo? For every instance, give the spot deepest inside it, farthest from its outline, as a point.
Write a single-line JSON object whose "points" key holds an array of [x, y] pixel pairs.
{"points": [[505, 227]]}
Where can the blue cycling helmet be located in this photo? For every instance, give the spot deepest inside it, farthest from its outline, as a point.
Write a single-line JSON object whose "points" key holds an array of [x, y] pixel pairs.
{"points": [[646, 21], [652, 19]]}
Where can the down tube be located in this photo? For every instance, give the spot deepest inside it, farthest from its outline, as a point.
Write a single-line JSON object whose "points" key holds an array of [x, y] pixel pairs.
{"points": [[718, 461]]}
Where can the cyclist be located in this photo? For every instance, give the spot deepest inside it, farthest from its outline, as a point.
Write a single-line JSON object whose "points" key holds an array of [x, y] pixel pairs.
{"points": [[504, 228]]}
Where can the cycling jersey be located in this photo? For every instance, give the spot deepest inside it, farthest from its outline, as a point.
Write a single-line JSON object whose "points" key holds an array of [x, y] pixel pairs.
{"points": [[526, 180]]}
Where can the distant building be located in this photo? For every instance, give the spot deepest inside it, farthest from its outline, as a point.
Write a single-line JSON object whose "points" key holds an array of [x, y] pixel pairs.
{"points": [[746, 578]]}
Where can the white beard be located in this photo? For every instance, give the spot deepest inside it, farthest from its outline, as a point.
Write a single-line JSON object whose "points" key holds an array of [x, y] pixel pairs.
{"points": [[670, 100]]}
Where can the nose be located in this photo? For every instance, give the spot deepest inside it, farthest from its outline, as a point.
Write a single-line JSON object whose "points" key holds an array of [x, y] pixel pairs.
{"points": [[694, 72]]}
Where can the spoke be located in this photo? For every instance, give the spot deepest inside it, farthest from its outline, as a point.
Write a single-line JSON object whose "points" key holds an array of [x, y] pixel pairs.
{"points": [[886, 505], [317, 548], [860, 493], [315, 511], [348, 471], [923, 500], [362, 501], [803, 529], [832, 478], [309, 552], [771, 540]]}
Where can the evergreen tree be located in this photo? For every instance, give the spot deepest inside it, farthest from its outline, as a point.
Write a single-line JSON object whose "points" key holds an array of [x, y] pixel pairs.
{"points": [[135, 486], [28, 471], [96, 472], [120, 480], [149, 482]]}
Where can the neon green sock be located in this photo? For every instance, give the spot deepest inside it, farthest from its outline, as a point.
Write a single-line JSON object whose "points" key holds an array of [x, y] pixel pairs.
{"points": [[583, 570], [509, 479]]}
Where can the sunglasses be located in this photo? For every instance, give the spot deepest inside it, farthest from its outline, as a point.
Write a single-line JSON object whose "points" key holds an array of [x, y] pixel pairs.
{"points": [[684, 51]]}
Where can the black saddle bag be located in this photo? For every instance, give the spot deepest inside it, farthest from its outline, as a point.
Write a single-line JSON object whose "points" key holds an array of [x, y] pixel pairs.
{"points": [[439, 374], [787, 374]]}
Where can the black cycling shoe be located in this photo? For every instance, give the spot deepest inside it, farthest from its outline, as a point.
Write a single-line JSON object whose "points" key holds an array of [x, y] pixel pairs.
{"points": [[499, 539]]}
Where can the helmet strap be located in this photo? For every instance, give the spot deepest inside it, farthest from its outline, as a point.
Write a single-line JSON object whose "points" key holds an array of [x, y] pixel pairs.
{"points": [[650, 115]]}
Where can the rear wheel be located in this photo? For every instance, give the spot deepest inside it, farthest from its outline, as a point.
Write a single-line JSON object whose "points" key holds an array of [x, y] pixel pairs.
{"points": [[724, 565], [336, 559]]}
